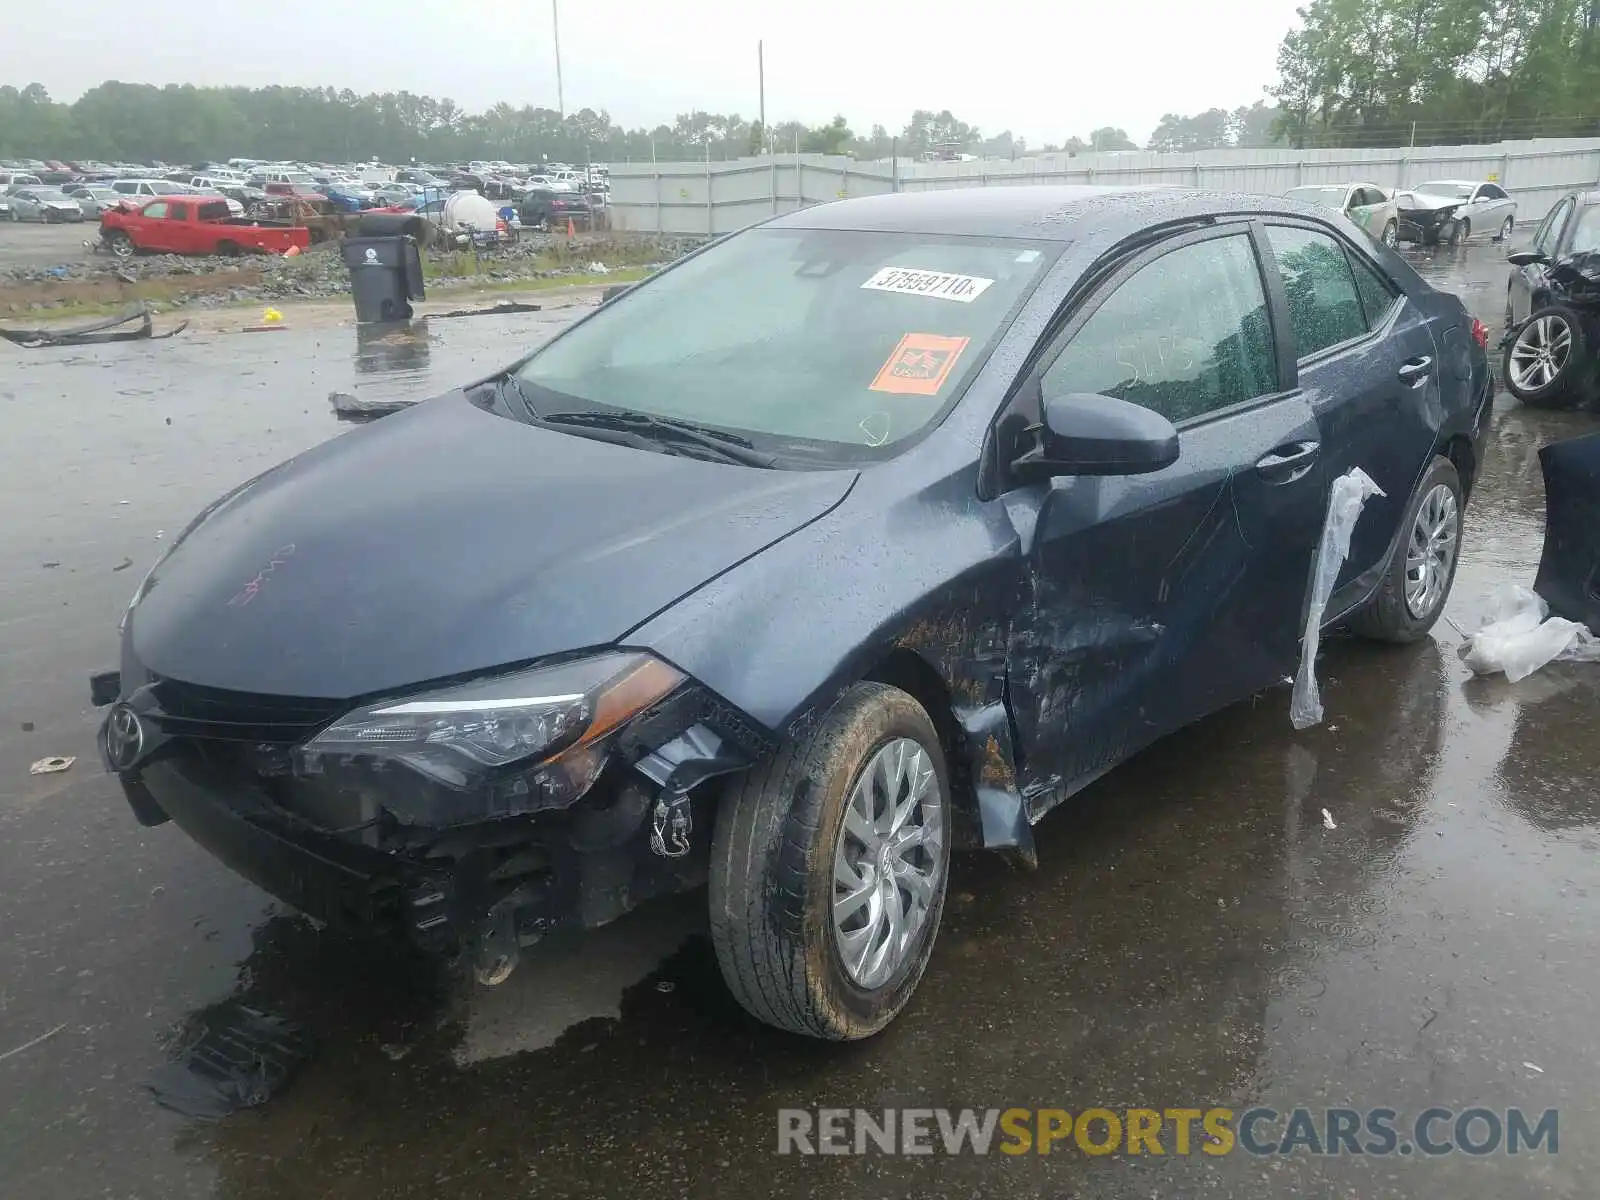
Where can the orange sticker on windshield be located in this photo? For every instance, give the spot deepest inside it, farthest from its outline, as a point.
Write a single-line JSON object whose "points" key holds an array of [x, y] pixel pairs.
{"points": [[920, 364]]}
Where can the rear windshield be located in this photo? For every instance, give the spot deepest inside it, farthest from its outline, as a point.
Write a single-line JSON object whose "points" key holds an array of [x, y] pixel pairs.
{"points": [[833, 343], [1328, 197]]}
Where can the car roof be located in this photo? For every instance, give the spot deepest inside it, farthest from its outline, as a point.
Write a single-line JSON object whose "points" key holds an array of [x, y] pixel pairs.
{"points": [[1056, 213]]}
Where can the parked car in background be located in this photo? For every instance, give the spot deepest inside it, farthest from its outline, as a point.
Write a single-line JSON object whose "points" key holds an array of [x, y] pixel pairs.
{"points": [[47, 204], [11, 179], [1367, 204], [1449, 211], [1552, 346], [1103, 425], [147, 188], [92, 198], [543, 207]]}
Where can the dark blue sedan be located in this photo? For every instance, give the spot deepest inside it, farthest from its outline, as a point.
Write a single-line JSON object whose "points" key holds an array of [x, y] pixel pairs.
{"points": [[883, 527]]}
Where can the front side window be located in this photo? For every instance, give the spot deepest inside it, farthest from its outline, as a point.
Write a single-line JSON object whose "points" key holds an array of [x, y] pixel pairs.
{"points": [[833, 343], [1586, 233], [157, 210], [1324, 307], [1549, 235], [1185, 335]]}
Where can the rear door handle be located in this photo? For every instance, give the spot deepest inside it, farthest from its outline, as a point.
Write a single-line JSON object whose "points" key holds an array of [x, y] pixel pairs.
{"points": [[1285, 464], [1415, 371]]}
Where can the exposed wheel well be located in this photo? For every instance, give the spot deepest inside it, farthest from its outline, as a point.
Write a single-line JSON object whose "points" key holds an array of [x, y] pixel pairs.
{"points": [[911, 673]]}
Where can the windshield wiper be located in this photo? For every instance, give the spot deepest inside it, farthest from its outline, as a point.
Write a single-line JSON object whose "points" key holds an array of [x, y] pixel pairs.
{"points": [[730, 447], [514, 385]]}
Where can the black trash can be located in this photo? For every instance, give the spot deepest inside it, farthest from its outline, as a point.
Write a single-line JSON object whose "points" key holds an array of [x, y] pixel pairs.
{"points": [[385, 275]]}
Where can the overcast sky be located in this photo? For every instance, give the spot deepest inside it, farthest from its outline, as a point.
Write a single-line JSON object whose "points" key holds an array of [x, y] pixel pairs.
{"points": [[1045, 71]]}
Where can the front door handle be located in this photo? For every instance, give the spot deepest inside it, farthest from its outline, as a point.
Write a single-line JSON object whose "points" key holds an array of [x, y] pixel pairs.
{"points": [[1415, 371], [1285, 464]]}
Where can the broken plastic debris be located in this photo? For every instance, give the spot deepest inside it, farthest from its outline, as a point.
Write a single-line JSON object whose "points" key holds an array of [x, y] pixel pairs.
{"points": [[1346, 498], [228, 1057], [53, 764], [1533, 1067], [1517, 639], [1327, 820]]}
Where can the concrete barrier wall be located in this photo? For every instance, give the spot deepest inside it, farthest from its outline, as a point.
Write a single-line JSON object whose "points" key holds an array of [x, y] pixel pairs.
{"points": [[720, 197]]}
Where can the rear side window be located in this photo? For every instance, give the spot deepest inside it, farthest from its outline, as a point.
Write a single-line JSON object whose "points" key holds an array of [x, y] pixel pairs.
{"points": [[178, 212], [1185, 335], [126, 189], [1324, 306], [214, 210], [1377, 293]]}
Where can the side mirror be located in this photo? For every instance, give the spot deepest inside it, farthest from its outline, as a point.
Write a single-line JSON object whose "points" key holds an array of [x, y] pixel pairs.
{"points": [[1527, 258], [1088, 434]]}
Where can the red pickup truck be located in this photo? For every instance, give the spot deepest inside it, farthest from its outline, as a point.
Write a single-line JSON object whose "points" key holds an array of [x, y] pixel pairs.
{"points": [[192, 225]]}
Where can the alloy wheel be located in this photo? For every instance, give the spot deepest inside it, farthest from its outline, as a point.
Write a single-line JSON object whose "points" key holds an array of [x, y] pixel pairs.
{"points": [[888, 865], [1540, 353], [1431, 551], [1391, 235]]}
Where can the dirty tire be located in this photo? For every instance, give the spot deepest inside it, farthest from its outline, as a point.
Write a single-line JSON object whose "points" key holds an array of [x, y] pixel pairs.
{"points": [[1386, 617], [772, 872], [1507, 228], [121, 244], [227, 249], [1570, 385], [1459, 232], [1390, 236]]}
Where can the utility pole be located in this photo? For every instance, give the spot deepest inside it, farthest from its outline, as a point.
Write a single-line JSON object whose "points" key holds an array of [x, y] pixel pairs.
{"points": [[761, 76], [555, 24]]}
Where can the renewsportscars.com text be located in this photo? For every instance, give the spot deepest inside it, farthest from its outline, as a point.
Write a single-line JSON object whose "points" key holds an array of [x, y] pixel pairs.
{"points": [[1181, 1131]]}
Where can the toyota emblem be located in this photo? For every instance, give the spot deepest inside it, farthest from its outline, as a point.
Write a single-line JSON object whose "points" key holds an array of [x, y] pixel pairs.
{"points": [[124, 737]]}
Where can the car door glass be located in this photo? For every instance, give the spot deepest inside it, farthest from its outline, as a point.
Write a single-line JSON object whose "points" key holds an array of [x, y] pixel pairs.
{"points": [[1324, 306], [178, 212], [1378, 294], [1493, 192], [158, 209], [1549, 235], [1586, 233], [1185, 335]]}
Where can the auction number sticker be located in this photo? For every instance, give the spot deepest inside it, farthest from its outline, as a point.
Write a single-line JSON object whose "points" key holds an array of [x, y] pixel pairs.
{"points": [[920, 364], [941, 285]]}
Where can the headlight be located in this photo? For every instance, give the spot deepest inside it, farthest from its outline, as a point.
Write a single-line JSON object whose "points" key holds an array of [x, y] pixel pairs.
{"points": [[460, 735]]}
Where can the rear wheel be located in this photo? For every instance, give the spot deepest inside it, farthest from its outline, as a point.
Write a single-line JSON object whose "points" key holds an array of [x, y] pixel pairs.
{"points": [[829, 867], [1417, 581], [1544, 361], [227, 249]]}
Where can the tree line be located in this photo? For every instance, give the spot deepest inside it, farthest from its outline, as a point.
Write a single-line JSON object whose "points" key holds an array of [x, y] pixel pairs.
{"points": [[1353, 72]]}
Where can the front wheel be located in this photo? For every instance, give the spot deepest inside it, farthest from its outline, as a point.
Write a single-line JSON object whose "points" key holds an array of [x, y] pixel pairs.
{"points": [[1391, 235], [829, 866], [121, 245], [1506, 228], [1417, 581], [1543, 362], [1460, 231]]}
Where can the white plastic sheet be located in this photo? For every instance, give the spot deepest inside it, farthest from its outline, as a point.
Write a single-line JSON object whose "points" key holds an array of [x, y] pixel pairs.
{"points": [[1518, 637], [1346, 499]]}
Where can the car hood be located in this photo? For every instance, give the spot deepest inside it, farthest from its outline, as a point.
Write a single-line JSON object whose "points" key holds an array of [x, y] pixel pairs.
{"points": [[446, 540], [1425, 201]]}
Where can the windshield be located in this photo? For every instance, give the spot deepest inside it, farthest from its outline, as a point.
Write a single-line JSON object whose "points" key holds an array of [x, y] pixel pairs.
{"points": [[828, 343], [1328, 197], [1446, 187], [297, 177], [49, 194]]}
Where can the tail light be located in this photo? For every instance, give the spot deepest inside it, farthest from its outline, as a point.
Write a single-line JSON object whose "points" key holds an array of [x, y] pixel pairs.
{"points": [[1480, 333]]}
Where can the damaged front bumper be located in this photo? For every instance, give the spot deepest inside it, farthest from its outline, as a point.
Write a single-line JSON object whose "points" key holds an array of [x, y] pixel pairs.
{"points": [[455, 872], [1427, 226]]}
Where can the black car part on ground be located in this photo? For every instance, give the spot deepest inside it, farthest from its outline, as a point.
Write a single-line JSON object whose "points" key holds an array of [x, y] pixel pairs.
{"points": [[1569, 565], [109, 329], [1549, 360]]}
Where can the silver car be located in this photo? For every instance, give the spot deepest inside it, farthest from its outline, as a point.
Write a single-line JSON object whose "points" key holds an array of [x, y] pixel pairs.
{"points": [[93, 198], [43, 204], [1452, 210]]}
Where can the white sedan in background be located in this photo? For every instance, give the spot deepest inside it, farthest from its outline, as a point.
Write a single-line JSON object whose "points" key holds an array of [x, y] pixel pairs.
{"points": [[1452, 210], [1367, 204]]}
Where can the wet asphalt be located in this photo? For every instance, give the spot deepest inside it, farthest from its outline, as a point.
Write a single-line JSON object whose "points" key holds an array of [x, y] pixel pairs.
{"points": [[1195, 936]]}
